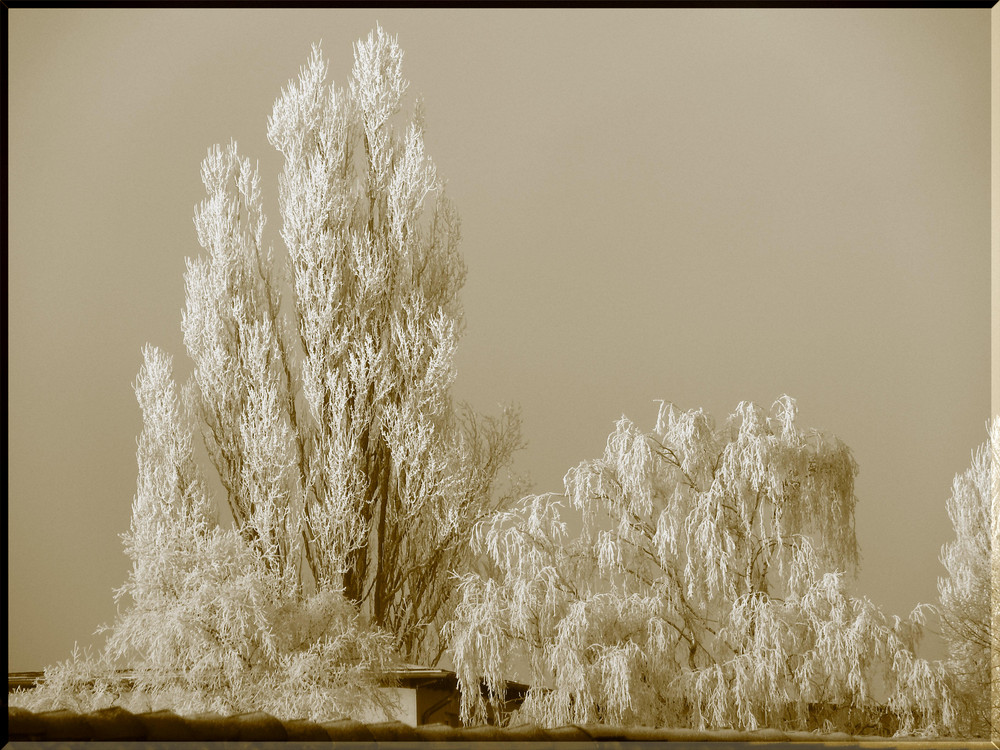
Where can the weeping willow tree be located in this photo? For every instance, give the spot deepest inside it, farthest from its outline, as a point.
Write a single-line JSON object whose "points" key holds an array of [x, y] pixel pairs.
{"points": [[970, 593], [705, 588]]}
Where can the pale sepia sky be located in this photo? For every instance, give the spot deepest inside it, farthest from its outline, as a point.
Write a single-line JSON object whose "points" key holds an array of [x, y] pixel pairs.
{"points": [[701, 206]]}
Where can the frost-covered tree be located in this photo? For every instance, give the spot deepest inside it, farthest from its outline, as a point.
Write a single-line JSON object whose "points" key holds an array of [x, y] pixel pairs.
{"points": [[321, 389], [326, 410], [213, 624], [705, 588], [969, 595]]}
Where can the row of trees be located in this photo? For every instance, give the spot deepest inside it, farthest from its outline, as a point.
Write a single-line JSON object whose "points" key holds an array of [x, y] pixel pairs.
{"points": [[374, 522]]}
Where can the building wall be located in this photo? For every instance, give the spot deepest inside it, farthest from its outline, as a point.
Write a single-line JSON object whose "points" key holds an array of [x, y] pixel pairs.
{"points": [[404, 701], [434, 704]]}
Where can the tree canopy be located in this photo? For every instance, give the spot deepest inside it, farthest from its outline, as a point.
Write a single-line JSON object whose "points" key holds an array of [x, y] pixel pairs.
{"points": [[970, 593], [321, 388], [344, 460], [706, 588]]}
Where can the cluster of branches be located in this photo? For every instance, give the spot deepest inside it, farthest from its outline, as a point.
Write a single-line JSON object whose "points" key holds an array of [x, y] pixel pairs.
{"points": [[321, 389], [215, 625], [970, 593], [706, 589], [334, 434]]}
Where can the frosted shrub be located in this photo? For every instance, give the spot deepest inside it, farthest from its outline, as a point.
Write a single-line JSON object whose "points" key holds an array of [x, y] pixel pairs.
{"points": [[82, 683], [212, 626]]}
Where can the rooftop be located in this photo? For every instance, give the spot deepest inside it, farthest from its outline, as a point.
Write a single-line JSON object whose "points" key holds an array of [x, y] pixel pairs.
{"points": [[119, 725]]}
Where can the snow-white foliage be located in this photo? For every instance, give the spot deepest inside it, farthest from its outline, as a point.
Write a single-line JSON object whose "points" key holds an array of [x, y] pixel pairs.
{"points": [[705, 589], [328, 416], [213, 624], [321, 389], [969, 595]]}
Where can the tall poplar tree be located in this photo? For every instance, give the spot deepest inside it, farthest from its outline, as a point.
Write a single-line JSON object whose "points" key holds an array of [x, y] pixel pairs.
{"points": [[322, 386]]}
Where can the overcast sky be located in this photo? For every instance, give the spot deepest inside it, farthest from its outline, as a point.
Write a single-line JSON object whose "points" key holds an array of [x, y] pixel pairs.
{"points": [[700, 206]]}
